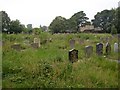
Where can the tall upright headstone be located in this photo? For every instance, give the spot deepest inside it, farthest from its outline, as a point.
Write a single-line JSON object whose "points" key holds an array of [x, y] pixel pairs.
{"points": [[73, 55], [37, 40], [88, 51], [115, 47], [99, 48], [72, 43], [108, 48]]}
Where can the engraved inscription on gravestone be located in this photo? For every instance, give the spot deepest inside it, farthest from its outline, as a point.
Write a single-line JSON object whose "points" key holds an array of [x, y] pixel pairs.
{"points": [[99, 48], [73, 55], [88, 51]]}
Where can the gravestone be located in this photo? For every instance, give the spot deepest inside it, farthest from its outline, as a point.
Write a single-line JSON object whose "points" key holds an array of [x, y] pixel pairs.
{"points": [[99, 48], [81, 41], [37, 40], [73, 55], [16, 47], [35, 45], [108, 48], [115, 47], [72, 43], [88, 51], [26, 42], [50, 39]]}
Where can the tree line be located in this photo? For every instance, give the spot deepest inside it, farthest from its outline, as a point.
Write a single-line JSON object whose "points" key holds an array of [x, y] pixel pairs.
{"points": [[107, 20], [14, 26]]}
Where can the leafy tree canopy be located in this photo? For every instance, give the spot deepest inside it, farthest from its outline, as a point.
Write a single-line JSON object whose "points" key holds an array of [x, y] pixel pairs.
{"points": [[5, 21]]}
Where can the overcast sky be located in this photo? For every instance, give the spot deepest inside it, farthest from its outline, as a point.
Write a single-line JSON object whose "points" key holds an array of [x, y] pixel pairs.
{"points": [[42, 12]]}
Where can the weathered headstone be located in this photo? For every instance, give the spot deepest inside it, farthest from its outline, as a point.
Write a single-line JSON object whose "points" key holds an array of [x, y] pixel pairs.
{"points": [[73, 55], [35, 45], [50, 39], [99, 48], [37, 40], [72, 43], [115, 47], [88, 51], [16, 47], [26, 42], [81, 41], [108, 48]]}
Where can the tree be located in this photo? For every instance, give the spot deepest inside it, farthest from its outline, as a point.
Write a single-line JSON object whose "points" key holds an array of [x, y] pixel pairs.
{"points": [[117, 19], [5, 21], [104, 19], [58, 25], [113, 30], [37, 31], [16, 27], [78, 19]]}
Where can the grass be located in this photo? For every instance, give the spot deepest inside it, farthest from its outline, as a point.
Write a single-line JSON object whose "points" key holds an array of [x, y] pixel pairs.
{"points": [[49, 67]]}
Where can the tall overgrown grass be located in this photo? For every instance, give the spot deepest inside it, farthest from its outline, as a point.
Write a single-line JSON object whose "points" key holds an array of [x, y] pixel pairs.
{"points": [[49, 67]]}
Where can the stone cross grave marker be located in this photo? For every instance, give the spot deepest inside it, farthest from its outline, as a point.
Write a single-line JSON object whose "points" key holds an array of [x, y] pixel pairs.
{"points": [[108, 48], [99, 48], [73, 55], [115, 47], [88, 51], [72, 43]]}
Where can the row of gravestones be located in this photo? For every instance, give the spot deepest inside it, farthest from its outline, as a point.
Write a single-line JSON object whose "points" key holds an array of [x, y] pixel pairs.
{"points": [[73, 53], [35, 44]]}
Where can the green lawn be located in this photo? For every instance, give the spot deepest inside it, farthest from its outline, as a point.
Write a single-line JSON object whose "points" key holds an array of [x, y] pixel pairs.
{"points": [[49, 67]]}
